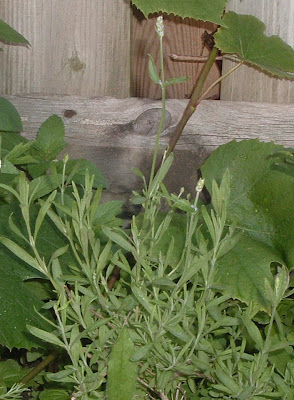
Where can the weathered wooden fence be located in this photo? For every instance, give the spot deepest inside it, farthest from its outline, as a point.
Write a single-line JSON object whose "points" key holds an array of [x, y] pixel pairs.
{"points": [[119, 134], [78, 47], [95, 48]]}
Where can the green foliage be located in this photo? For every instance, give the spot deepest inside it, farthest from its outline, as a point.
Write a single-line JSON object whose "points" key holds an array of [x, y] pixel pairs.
{"points": [[206, 10], [171, 319], [9, 118], [240, 35], [50, 140], [193, 303], [244, 37], [261, 207], [56, 394], [9, 35], [19, 301], [18, 308]]}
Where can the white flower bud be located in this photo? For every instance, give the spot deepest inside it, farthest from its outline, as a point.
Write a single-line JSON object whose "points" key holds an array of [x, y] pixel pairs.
{"points": [[200, 185], [160, 26]]}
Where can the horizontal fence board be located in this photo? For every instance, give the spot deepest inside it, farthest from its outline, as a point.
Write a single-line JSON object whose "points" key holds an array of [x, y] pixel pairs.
{"points": [[120, 134], [78, 47]]}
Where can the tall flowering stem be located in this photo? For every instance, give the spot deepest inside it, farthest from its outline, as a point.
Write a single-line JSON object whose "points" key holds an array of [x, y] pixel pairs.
{"points": [[160, 33]]}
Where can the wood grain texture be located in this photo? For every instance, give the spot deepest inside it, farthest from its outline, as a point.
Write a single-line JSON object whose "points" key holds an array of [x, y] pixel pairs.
{"points": [[248, 84], [182, 37], [78, 47], [118, 135]]}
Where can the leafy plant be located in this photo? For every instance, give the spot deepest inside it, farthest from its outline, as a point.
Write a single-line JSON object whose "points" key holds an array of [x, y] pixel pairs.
{"points": [[239, 37], [261, 207], [18, 164], [169, 308]]}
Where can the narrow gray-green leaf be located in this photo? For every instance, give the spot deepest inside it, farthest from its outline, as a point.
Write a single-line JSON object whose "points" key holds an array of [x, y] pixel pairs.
{"points": [[46, 336], [20, 252], [117, 238], [173, 81], [253, 332], [153, 71], [141, 352], [43, 212], [142, 298]]}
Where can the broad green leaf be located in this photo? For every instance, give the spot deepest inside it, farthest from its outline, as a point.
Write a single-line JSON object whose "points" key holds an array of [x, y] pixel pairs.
{"points": [[243, 270], [10, 35], [11, 372], [18, 305], [262, 203], [9, 140], [205, 10], [244, 36], [122, 373], [9, 117], [8, 168], [50, 139]]}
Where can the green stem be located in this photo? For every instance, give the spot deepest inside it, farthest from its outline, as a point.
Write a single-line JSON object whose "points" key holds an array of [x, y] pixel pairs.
{"points": [[43, 364], [155, 154], [193, 102]]}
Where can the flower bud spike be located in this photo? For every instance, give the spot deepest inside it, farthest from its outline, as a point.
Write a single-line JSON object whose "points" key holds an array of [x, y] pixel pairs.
{"points": [[160, 26], [200, 185]]}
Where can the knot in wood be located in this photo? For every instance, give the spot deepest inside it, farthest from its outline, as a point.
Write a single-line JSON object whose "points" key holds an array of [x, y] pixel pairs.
{"points": [[147, 123]]}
